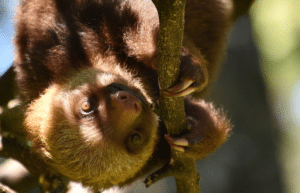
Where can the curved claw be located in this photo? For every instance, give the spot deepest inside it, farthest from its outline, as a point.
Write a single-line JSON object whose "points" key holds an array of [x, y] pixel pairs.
{"points": [[181, 89], [183, 143], [177, 143]]}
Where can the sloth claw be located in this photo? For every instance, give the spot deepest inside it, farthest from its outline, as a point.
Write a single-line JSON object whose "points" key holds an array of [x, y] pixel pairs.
{"points": [[183, 88], [179, 144], [176, 141], [182, 144]]}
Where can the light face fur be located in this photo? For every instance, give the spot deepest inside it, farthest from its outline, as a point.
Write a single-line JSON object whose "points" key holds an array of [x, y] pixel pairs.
{"points": [[88, 147]]}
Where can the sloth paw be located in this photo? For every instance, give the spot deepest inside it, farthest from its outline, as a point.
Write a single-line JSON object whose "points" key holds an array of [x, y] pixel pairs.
{"points": [[183, 88], [183, 143], [188, 142], [202, 136], [193, 76]]}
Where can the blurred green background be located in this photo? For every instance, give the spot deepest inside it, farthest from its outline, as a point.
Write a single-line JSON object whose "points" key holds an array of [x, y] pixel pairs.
{"points": [[276, 29]]}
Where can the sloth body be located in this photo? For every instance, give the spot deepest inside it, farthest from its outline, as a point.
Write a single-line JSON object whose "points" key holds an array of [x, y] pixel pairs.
{"points": [[87, 74]]}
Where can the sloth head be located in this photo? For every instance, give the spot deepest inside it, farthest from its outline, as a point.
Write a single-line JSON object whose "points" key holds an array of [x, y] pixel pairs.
{"points": [[95, 127]]}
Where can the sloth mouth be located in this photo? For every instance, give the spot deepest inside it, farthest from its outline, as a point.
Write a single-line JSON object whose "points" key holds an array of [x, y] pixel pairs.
{"points": [[115, 87]]}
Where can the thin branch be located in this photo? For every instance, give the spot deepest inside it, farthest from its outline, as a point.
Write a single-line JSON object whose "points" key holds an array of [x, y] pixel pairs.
{"points": [[171, 16]]}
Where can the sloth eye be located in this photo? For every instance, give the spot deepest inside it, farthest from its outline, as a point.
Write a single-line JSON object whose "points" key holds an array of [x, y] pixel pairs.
{"points": [[136, 139], [87, 106]]}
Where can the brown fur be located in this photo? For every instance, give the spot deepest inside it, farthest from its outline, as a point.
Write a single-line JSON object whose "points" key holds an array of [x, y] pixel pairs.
{"points": [[67, 51]]}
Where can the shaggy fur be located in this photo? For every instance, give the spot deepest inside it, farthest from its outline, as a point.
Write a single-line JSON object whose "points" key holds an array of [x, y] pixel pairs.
{"points": [[70, 51]]}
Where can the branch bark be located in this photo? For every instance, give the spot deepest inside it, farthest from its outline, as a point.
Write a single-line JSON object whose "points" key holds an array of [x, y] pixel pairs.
{"points": [[171, 16]]}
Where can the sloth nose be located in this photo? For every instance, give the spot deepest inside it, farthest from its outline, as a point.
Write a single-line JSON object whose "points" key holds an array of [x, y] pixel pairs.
{"points": [[127, 102]]}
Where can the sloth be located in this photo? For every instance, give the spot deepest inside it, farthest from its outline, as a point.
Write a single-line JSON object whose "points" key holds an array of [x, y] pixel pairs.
{"points": [[87, 73]]}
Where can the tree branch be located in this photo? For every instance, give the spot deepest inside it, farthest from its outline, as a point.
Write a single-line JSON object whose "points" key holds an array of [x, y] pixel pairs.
{"points": [[171, 16]]}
